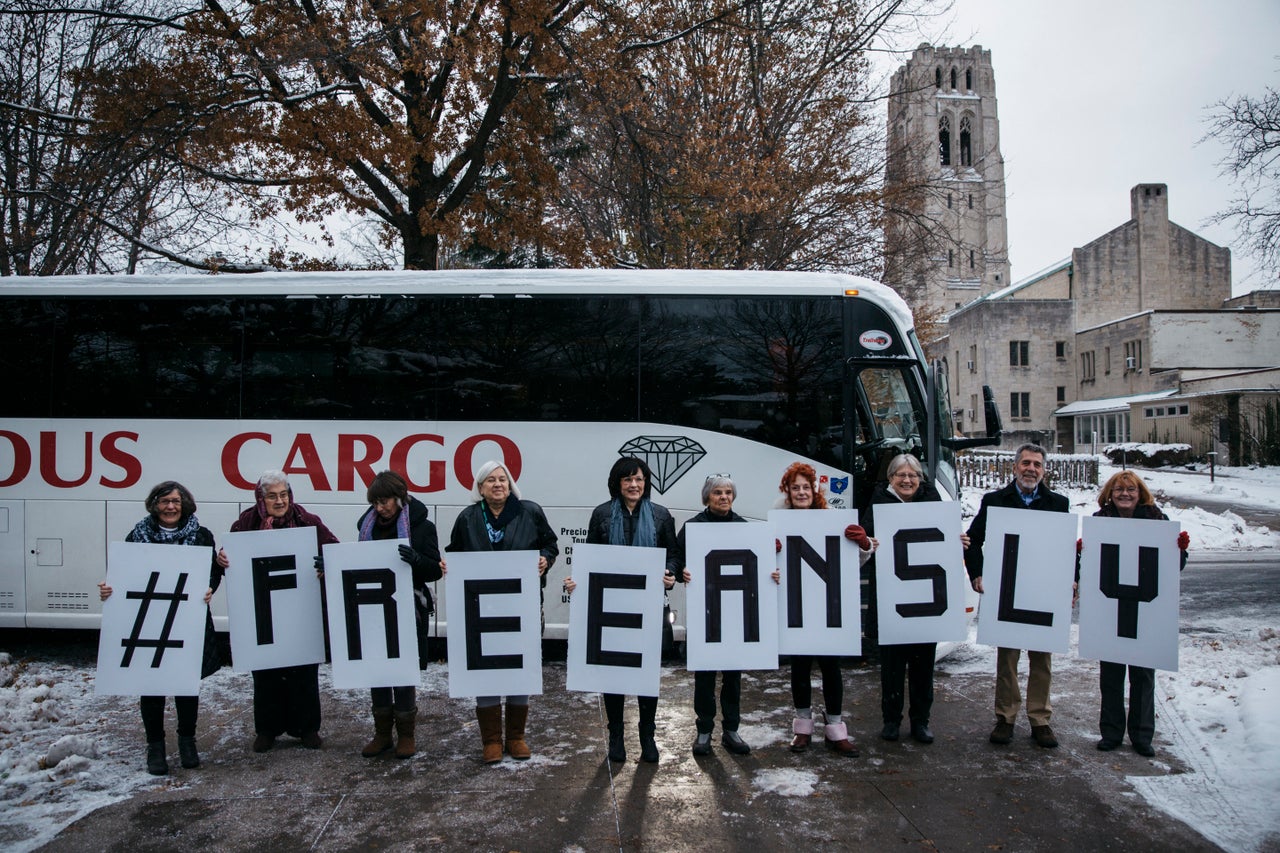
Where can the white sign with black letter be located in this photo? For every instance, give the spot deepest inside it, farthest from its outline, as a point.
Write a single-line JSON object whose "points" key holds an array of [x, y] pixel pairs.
{"points": [[273, 598], [733, 603], [1029, 565], [152, 637], [615, 619], [819, 592], [495, 623], [920, 576], [372, 634], [1129, 587]]}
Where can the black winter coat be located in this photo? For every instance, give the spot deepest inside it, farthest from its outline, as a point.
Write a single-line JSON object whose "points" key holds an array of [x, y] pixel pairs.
{"points": [[422, 538], [528, 531], [1045, 501], [664, 526]]}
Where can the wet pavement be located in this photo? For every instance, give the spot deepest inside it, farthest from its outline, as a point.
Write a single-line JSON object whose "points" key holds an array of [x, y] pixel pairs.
{"points": [[960, 793]]}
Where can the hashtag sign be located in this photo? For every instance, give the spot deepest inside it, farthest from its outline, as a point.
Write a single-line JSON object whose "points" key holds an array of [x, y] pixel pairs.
{"points": [[148, 595]]}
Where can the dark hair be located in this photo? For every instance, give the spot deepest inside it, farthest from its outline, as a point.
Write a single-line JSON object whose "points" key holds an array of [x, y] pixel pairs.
{"points": [[1030, 448], [388, 484], [625, 467], [159, 490]]}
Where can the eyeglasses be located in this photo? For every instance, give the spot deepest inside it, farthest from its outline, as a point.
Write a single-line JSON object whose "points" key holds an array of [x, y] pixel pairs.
{"points": [[169, 502], [906, 475], [275, 496]]}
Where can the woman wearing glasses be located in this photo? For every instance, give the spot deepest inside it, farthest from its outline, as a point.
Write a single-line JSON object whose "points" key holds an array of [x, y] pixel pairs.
{"points": [[910, 661], [171, 520]]}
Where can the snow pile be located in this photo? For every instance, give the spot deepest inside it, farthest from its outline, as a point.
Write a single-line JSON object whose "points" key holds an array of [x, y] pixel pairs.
{"points": [[1222, 712], [786, 783], [56, 758]]}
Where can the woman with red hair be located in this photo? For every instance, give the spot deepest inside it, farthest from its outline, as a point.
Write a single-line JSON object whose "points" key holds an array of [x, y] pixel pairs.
{"points": [[800, 490]]}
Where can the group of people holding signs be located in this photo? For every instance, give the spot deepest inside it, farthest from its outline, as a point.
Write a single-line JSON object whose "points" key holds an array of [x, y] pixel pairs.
{"points": [[756, 591]]}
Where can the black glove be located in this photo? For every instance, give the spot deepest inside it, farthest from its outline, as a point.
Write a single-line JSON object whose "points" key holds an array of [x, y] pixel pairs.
{"points": [[319, 561], [410, 556]]}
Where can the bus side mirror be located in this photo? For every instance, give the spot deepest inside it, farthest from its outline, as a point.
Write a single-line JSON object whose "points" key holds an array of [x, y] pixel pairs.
{"points": [[994, 426]]}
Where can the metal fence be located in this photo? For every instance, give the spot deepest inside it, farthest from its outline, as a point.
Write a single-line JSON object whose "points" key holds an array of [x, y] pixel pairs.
{"points": [[991, 469]]}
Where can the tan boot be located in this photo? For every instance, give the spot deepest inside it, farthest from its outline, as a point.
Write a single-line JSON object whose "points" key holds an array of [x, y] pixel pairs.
{"points": [[382, 719], [517, 715], [491, 732], [405, 745]]}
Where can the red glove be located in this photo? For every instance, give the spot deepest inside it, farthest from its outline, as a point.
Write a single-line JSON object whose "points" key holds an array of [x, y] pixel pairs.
{"points": [[1183, 541], [1079, 545], [858, 536], [777, 546]]}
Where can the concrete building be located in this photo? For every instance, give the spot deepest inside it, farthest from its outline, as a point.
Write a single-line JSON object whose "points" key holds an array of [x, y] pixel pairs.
{"points": [[946, 236], [1134, 338]]}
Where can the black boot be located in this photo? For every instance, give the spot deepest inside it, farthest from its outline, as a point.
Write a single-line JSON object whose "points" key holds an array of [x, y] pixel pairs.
{"points": [[187, 751], [648, 746], [156, 763], [617, 749]]}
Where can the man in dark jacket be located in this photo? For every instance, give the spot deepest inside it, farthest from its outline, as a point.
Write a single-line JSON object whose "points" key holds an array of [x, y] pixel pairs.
{"points": [[1026, 491]]}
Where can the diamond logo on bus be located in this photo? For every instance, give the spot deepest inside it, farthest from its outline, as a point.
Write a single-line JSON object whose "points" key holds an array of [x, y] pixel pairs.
{"points": [[669, 457]]}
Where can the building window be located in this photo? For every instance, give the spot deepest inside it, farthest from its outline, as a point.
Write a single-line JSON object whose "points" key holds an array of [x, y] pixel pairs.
{"points": [[1166, 411], [971, 201], [1062, 394], [1019, 353], [1086, 366], [968, 79], [1060, 350], [951, 257], [953, 79], [937, 78], [1132, 355], [1106, 360], [944, 140], [973, 358], [966, 141], [971, 259], [948, 201], [974, 410], [1020, 405]]}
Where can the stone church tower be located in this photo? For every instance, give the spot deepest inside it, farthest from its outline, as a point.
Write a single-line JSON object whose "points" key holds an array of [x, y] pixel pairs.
{"points": [[946, 234]]}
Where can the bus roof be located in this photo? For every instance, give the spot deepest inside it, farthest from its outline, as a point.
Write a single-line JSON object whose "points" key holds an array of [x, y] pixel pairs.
{"points": [[518, 282]]}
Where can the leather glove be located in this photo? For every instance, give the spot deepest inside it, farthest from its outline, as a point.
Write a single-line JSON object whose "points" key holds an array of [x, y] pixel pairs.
{"points": [[858, 536], [319, 561], [409, 555]]}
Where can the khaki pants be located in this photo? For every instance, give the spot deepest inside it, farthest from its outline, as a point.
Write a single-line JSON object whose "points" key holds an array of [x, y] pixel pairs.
{"points": [[1009, 697]]}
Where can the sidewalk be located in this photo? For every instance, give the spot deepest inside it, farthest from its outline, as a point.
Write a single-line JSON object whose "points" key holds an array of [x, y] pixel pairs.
{"points": [[959, 794]]}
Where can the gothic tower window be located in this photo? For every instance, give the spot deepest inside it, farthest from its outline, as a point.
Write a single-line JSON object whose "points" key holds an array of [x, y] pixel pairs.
{"points": [[966, 141], [968, 79], [953, 79], [944, 139], [937, 78]]}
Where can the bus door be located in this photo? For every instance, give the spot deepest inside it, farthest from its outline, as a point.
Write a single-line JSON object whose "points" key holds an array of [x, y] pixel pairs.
{"points": [[13, 585], [66, 556]]}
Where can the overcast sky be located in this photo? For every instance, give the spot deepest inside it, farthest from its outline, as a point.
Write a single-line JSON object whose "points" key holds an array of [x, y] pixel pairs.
{"points": [[1095, 96]]}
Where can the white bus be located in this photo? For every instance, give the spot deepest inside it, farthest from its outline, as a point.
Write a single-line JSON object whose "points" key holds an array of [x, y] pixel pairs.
{"points": [[112, 384]]}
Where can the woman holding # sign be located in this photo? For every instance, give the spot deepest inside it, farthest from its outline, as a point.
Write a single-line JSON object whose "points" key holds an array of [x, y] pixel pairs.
{"points": [[171, 520]]}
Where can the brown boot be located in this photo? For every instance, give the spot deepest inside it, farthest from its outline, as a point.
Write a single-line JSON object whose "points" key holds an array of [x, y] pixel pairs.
{"points": [[516, 717], [382, 720], [405, 745], [491, 732]]}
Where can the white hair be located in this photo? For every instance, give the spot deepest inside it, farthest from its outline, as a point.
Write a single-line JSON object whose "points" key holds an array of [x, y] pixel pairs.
{"points": [[484, 471], [273, 477]]}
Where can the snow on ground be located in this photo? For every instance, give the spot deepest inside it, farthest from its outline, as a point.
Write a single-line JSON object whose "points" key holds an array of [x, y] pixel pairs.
{"points": [[65, 752]]}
